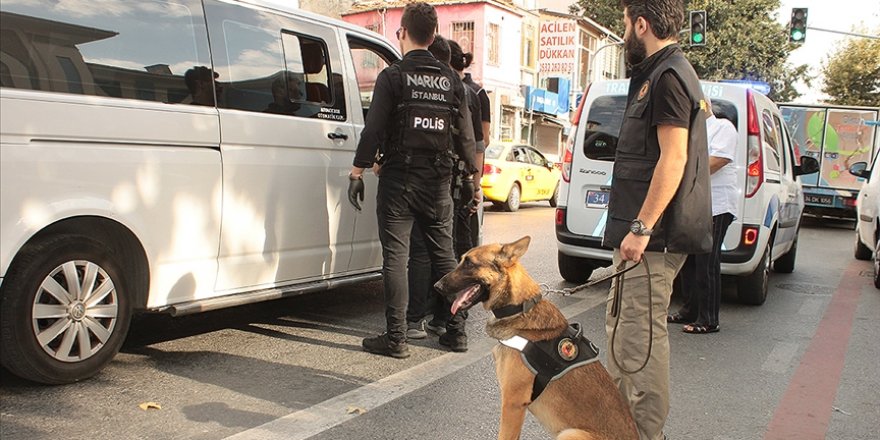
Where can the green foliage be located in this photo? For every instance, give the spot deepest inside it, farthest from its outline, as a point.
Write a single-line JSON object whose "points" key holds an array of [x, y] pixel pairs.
{"points": [[852, 75], [743, 41]]}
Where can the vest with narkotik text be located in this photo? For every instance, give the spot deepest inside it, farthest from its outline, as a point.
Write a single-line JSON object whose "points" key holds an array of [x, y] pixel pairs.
{"points": [[427, 111], [686, 224]]}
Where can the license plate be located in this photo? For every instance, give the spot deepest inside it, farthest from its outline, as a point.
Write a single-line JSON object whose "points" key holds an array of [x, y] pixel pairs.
{"points": [[598, 199], [818, 199]]}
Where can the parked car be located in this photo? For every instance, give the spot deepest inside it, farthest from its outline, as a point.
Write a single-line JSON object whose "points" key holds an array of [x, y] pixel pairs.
{"points": [[770, 202], [867, 243], [144, 169], [516, 173]]}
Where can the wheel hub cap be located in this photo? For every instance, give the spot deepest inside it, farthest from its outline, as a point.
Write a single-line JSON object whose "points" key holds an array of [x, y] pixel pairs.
{"points": [[78, 311]]}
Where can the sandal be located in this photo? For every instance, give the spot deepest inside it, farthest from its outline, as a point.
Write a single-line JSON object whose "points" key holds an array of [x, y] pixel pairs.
{"points": [[678, 318], [700, 329]]}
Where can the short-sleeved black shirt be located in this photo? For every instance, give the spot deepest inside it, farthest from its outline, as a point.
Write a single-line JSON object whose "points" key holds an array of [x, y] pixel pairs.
{"points": [[672, 106]]}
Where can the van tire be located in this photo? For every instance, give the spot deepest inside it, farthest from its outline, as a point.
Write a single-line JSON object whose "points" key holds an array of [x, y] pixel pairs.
{"points": [[555, 199], [861, 251], [576, 269], [25, 288], [513, 199], [785, 263], [752, 288]]}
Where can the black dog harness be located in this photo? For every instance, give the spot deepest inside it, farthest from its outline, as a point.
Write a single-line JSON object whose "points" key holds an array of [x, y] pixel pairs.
{"points": [[553, 358]]}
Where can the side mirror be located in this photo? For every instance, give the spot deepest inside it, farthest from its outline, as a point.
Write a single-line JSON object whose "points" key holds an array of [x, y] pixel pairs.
{"points": [[860, 169], [808, 165]]}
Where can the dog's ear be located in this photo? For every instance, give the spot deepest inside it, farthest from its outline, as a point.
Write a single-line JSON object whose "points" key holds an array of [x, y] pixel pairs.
{"points": [[511, 252]]}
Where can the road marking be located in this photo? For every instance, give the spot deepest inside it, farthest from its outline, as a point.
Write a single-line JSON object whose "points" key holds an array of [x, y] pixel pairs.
{"points": [[805, 409], [780, 357], [332, 412]]}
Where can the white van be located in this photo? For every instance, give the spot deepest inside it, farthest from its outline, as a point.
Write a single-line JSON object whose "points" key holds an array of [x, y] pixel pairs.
{"points": [[143, 169], [770, 204]]}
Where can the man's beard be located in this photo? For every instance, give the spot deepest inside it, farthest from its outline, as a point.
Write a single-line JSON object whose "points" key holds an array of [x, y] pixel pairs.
{"points": [[634, 50]]}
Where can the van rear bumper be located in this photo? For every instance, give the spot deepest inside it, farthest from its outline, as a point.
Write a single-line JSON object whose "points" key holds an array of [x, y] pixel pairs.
{"points": [[582, 246]]}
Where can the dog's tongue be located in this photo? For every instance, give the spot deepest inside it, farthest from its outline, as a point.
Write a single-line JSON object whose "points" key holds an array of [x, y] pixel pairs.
{"points": [[464, 297]]}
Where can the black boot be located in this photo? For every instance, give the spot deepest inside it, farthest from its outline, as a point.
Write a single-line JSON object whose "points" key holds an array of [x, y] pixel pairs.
{"points": [[455, 340], [383, 345]]}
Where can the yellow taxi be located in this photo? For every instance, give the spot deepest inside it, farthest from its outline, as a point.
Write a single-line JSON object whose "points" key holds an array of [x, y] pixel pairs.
{"points": [[516, 173]]}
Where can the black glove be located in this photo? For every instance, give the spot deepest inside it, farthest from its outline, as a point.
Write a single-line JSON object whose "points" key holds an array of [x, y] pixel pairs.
{"points": [[355, 191], [467, 190]]}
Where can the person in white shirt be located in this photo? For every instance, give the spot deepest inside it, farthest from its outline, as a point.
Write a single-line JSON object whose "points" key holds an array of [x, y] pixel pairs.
{"points": [[701, 274]]}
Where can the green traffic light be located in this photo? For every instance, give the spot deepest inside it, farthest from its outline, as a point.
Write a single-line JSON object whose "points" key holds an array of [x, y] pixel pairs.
{"points": [[697, 38], [797, 35]]}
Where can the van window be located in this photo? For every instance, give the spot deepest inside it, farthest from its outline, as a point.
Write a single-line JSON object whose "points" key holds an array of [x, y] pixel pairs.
{"points": [[772, 143], [603, 127], [368, 62], [266, 63], [122, 49], [606, 117]]}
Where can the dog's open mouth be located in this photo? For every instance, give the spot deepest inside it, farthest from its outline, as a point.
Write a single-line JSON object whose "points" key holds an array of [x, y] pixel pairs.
{"points": [[467, 297]]}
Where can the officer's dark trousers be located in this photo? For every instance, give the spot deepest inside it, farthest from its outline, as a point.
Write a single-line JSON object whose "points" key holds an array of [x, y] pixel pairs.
{"points": [[422, 196], [701, 278]]}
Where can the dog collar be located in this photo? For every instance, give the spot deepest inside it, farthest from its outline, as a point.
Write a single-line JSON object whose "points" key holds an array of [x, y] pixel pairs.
{"points": [[508, 311]]}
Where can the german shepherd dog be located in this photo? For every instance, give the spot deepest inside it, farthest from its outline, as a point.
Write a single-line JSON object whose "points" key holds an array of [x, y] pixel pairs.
{"points": [[583, 404]]}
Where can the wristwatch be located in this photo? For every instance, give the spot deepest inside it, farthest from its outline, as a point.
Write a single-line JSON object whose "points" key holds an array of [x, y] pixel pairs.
{"points": [[637, 227]]}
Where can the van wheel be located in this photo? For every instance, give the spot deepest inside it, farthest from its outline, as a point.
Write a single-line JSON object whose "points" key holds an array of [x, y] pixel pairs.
{"points": [[752, 288], [576, 269], [513, 199], [785, 263], [877, 265], [64, 310], [861, 251], [555, 199]]}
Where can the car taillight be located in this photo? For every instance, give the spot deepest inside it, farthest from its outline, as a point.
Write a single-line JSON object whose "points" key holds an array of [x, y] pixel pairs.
{"points": [[750, 236], [560, 216], [490, 169], [755, 168]]}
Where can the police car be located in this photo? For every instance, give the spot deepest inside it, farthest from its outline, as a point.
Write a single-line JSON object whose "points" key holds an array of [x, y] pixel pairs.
{"points": [[770, 200]]}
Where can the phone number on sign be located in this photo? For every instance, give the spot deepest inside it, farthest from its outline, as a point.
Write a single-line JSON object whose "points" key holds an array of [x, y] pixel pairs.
{"points": [[557, 67]]}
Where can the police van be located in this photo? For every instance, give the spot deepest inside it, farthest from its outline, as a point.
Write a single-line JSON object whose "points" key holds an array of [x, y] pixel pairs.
{"points": [[144, 169], [770, 200]]}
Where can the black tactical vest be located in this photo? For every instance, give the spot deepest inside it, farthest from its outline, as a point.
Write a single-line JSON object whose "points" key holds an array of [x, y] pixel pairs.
{"points": [[686, 225], [427, 111]]}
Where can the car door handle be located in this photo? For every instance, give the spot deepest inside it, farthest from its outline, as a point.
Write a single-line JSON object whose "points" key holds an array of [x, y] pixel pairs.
{"points": [[337, 136]]}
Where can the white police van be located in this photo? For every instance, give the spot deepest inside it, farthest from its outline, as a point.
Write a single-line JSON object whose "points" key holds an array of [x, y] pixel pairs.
{"points": [[144, 169], [770, 203]]}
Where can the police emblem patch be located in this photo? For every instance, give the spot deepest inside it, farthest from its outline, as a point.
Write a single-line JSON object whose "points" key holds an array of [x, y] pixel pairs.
{"points": [[567, 349], [644, 90]]}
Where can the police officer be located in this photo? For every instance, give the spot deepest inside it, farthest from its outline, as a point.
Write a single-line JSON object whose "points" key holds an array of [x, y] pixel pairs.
{"points": [[660, 207], [419, 117]]}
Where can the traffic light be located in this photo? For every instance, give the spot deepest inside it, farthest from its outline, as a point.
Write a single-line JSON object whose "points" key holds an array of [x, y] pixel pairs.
{"points": [[797, 28], [698, 28]]}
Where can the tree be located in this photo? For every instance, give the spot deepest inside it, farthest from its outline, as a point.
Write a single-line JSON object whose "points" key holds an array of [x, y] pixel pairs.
{"points": [[743, 41], [852, 75]]}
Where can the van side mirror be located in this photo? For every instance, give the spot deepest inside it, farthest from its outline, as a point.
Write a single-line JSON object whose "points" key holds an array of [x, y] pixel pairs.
{"points": [[860, 169], [808, 165]]}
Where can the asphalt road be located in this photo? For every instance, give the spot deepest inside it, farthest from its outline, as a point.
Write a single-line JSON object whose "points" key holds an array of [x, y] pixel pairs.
{"points": [[804, 365]]}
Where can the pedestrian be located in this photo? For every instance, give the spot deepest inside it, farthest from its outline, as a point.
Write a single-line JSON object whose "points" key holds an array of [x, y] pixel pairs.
{"points": [[419, 117], [422, 299], [659, 210], [701, 274]]}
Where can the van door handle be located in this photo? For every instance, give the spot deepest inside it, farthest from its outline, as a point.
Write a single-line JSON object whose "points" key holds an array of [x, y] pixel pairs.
{"points": [[337, 136]]}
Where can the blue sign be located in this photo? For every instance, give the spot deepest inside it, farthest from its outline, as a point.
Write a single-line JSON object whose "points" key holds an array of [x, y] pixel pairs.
{"points": [[541, 100]]}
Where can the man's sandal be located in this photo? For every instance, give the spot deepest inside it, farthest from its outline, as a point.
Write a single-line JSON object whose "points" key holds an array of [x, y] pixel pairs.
{"points": [[678, 318], [700, 329]]}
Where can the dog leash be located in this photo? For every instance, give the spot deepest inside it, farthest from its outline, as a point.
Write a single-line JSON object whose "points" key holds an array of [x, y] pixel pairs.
{"points": [[615, 306]]}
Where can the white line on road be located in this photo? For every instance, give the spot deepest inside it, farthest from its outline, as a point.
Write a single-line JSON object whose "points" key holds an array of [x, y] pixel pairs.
{"points": [[779, 359], [332, 412]]}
